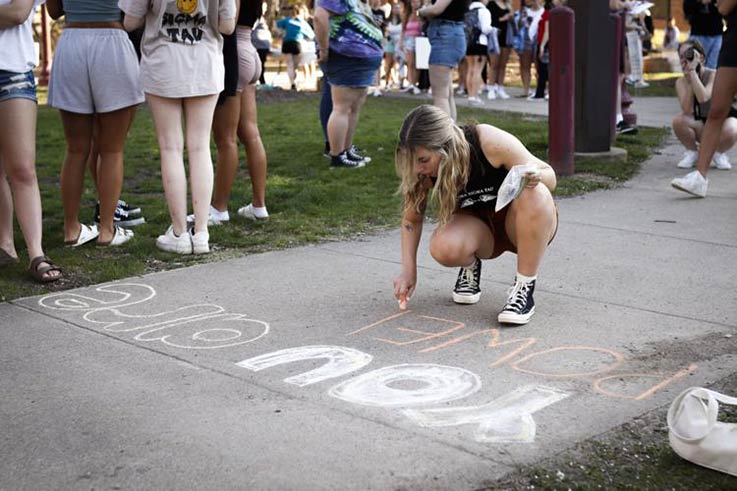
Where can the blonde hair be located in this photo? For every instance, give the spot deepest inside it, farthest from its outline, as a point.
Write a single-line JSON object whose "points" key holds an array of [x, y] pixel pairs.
{"points": [[431, 128]]}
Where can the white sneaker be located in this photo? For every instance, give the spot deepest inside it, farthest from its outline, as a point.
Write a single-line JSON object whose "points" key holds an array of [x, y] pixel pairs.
{"points": [[692, 183], [721, 161], [252, 214], [416, 90], [690, 157], [502, 93], [475, 101], [200, 243], [215, 217], [492, 93], [171, 243]]}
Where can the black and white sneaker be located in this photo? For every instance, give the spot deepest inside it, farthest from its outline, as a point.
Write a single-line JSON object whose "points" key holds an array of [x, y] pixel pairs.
{"points": [[520, 305], [624, 128], [342, 160], [121, 218], [468, 288], [128, 208], [355, 154]]}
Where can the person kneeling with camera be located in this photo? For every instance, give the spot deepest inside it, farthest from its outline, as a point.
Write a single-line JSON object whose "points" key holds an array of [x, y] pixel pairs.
{"points": [[694, 91]]}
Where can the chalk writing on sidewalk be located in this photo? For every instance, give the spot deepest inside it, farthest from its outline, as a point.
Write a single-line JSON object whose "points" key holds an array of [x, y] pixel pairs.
{"points": [[416, 389], [200, 326]]}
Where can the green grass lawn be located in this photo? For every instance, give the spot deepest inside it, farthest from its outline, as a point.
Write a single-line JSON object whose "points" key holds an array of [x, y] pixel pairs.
{"points": [[307, 200]]}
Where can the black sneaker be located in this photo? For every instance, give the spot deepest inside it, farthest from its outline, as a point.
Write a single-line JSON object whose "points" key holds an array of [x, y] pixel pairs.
{"points": [[128, 208], [624, 128], [357, 155], [468, 288], [342, 160], [121, 218], [520, 305]]}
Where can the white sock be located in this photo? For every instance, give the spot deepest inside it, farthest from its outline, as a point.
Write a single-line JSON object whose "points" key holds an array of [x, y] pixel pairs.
{"points": [[525, 279], [620, 118], [259, 211]]}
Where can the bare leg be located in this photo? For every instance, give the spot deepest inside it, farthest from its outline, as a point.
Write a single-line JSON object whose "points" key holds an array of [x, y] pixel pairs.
{"points": [[339, 123], [530, 224], [687, 130], [441, 83], [729, 135], [462, 239], [501, 69], [18, 157], [113, 130], [251, 138], [7, 243], [198, 113], [291, 70], [225, 131], [725, 87], [356, 105], [525, 67], [167, 116], [78, 134], [411, 70]]}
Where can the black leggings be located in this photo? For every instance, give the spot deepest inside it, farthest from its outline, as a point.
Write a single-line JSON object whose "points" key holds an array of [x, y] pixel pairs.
{"points": [[542, 76], [262, 54]]}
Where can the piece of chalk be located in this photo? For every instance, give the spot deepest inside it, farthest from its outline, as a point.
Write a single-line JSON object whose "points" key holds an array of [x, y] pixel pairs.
{"points": [[403, 304]]}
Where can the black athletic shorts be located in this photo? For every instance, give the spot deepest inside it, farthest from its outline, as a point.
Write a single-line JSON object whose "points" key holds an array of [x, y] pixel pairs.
{"points": [[230, 60], [728, 53], [291, 48], [476, 49]]}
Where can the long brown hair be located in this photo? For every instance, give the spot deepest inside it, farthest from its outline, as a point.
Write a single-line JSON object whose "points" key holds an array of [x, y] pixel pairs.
{"points": [[431, 128]]}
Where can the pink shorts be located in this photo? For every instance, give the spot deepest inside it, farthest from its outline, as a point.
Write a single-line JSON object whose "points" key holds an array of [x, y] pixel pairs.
{"points": [[249, 64]]}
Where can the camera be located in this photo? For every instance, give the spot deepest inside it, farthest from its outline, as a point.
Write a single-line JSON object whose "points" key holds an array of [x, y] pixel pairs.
{"points": [[689, 54]]}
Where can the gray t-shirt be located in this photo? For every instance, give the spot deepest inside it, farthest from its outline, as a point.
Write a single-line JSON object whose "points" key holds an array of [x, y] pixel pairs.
{"points": [[181, 46]]}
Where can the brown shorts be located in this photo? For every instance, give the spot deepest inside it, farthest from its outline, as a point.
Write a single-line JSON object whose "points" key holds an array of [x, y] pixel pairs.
{"points": [[495, 222]]}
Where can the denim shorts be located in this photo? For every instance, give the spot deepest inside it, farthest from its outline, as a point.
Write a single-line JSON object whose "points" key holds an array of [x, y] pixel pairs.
{"points": [[17, 86], [447, 42], [348, 71]]}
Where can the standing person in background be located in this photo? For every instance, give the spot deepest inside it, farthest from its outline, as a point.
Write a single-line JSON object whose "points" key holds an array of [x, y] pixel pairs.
{"points": [[350, 54], [523, 44], [447, 38], [261, 39], [18, 140], [723, 95], [542, 55], [392, 51], [237, 119], [478, 21], [670, 38], [295, 30], [412, 27], [182, 72], [94, 76], [502, 17], [706, 27]]}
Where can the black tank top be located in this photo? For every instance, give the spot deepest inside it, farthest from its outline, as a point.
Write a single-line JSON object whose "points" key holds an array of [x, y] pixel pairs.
{"points": [[483, 179], [455, 11]]}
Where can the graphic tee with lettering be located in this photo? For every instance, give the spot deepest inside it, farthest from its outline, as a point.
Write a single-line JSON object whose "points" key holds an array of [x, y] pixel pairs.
{"points": [[352, 29], [181, 46]]}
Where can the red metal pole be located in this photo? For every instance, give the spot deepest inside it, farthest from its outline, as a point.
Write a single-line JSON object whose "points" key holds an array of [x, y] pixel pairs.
{"points": [[561, 139], [45, 44]]}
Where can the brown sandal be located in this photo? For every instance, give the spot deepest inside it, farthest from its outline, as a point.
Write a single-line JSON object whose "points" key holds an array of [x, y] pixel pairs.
{"points": [[37, 271]]}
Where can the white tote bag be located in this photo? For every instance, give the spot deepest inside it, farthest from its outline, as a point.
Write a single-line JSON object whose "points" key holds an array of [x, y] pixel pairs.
{"points": [[422, 53], [696, 434]]}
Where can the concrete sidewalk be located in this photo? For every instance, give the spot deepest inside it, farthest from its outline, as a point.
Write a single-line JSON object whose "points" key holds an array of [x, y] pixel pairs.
{"points": [[295, 370]]}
